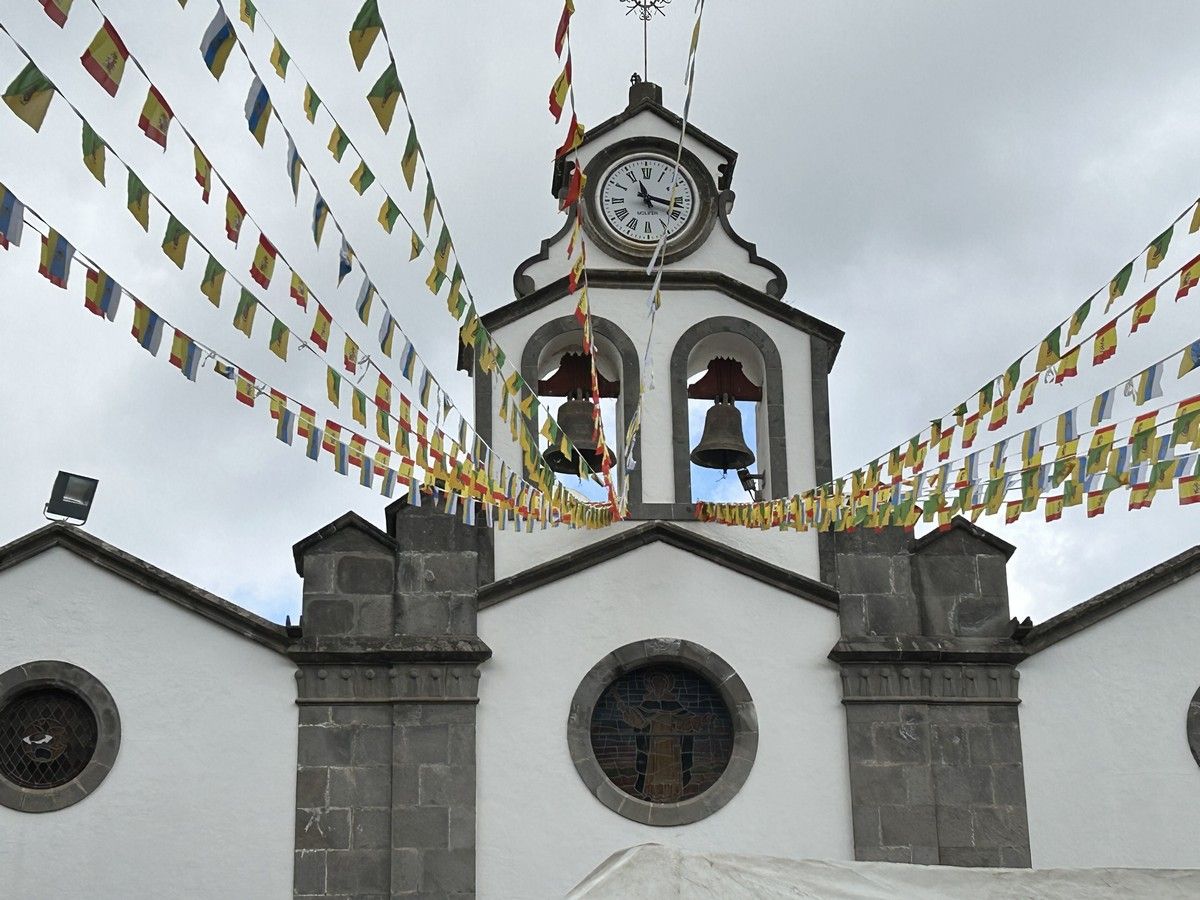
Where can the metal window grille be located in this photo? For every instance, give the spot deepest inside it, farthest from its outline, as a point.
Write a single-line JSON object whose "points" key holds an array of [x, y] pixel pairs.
{"points": [[47, 737]]}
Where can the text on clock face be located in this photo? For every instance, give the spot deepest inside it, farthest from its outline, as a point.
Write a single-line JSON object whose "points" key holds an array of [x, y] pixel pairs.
{"points": [[636, 199]]}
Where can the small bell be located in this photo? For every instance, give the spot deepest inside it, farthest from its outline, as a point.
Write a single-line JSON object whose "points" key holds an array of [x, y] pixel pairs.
{"points": [[575, 420], [723, 445]]}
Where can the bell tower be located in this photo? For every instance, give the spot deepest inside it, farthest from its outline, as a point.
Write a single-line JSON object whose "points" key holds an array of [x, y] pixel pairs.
{"points": [[723, 335]]}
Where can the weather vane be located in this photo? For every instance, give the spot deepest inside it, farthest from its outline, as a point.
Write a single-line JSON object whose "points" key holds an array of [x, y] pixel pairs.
{"points": [[645, 10]]}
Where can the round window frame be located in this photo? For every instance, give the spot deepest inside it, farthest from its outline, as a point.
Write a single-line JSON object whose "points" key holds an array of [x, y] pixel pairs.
{"points": [[702, 661], [1193, 725], [81, 683]]}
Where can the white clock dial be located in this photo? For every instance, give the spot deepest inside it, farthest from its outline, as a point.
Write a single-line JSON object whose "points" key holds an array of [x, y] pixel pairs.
{"points": [[635, 199]]}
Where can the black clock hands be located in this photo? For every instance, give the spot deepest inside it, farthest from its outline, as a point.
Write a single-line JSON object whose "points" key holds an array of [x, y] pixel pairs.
{"points": [[650, 198]]}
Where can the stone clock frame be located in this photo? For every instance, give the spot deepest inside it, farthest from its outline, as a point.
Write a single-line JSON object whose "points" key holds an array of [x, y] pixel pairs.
{"points": [[733, 693], [678, 246]]}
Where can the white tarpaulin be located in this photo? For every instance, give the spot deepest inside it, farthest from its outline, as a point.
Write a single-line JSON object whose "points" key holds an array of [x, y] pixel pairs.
{"points": [[654, 872]]}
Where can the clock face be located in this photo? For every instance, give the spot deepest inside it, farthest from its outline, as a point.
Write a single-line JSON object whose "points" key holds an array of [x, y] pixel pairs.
{"points": [[635, 199]]}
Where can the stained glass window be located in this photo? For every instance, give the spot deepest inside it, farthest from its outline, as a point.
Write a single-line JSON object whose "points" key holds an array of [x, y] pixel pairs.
{"points": [[47, 737], [662, 733]]}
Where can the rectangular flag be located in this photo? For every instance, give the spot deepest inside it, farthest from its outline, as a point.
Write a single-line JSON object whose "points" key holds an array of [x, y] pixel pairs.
{"points": [[243, 317], [320, 214], [1149, 385], [248, 13], [105, 58], [430, 205], [358, 406], [286, 426], [362, 177], [1102, 407], [214, 279], [363, 304], [1049, 352], [224, 369], [311, 103], [1189, 277], [12, 218], [350, 355], [345, 261], [340, 461], [1079, 317], [29, 96], [235, 214], [338, 142], [1105, 346], [455, 302], [408, 359], [203, 174], [320, 332], [306, 422], [258, 110], [57, 254], [138, 200], [299, 291], [1025, 399], [387, 330], [1157, 251], [102, 295], [383, 96], [293, 169], [246, 387], [57, 10], [1067, 429], [560, 90], [389, 212], [1068, 367], [279, 339], [1143, 310], [147, 327], [333, 385], [441, 262], [383, 392], [999, 415], [367, 26], [574, 137], [264, 262], [408, 162], [94, 155], [358, 449], [333, 434], [1116, 287], [218, 40], [175, 242], [1188, 361], [315, 436], [278, 403], [156, 117], [280, 59], [185, 355]]}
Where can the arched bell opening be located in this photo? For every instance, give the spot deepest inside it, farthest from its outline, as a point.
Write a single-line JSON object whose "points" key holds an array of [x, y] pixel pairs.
{"points": [[726, 375]]}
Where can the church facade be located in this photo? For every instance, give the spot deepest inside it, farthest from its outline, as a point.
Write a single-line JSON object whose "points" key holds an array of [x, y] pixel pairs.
{"points": [[464, 711]]}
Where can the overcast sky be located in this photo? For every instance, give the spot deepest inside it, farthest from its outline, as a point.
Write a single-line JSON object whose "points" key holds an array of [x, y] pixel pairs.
{"points": [[943, 181]]}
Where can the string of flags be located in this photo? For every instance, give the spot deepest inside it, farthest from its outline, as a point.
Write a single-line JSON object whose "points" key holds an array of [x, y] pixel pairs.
{"points": [[419, 459], [384, 97], [562, 94], [1129, 453], [32, 109]]}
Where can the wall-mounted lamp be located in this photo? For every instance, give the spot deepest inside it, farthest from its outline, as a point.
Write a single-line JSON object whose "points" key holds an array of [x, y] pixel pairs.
{"points": [[71, 498]]}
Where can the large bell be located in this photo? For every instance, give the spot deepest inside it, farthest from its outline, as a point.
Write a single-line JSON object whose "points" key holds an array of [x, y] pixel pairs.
{"points": [[723, 446], [575, 420]]}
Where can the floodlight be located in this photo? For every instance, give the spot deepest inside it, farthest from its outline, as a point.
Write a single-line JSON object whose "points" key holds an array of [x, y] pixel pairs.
{"points": [[71, 498]]}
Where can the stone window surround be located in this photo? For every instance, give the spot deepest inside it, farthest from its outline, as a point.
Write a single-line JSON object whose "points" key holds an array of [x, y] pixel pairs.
{"points": [[67, 677], [692, 656], [1193, 726]]}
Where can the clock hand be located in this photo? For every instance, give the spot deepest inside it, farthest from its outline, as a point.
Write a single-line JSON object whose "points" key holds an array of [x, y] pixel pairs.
{"points": [[644, 194]]}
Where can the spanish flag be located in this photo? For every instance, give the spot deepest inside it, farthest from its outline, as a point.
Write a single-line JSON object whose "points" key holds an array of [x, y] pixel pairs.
{"points": [[383, 392], [574, 188], [311, 103], [1157, 251], [1054, 508], [258, 110], [93, 153], [564, 27], [156, 117], [1189, 490], [333, 385], [999, 414], [307, 421], [383, 96], [1026, 397], [243, 317], [246, 385], [57, 254], [560, 90], [102, 295], [29, 96], [264, 262], [203, 174], [367, 26], [175, 242], [299, 291], [1098, 452], [1106, 343], [1012, 511], [350, 355], [320, 331], [362, 177], [235, 214], [1069, 366], [577, 274], [574, 138], [1095, 503], [1188, 278], [408, 162], [1143, 311], [57, 10], [218, 40], [333, 435], [358, 449], [105, 58], [1187, 422], [214, 278], [279, 339]]}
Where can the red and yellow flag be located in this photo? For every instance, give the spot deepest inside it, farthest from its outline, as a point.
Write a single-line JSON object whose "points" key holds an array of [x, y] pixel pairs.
{"points": [[1143, 310], [320, 332], [1189, 277], [564, 27], [560, 90], [105, 58], [156, 117], [264, 262], [1106, 343]]}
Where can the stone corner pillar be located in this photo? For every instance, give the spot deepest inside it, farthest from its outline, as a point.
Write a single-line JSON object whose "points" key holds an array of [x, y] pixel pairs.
{"points": [[929, 683], [388, 673]]}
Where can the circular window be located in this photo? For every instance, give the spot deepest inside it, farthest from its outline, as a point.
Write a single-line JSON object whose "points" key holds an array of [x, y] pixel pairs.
{"points": [[47, 737], [59, 734], [1193, 726], [663, 732]]}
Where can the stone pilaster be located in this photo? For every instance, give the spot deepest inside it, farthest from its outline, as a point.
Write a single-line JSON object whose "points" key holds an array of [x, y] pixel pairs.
{"points": [[388, 684], [929, 683]]}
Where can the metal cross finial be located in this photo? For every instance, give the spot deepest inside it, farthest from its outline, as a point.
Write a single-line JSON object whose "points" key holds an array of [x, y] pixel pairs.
{"points": [[645, 9]]}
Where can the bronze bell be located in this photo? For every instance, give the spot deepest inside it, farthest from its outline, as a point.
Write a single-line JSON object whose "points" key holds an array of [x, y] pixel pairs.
{"points": [[723, 445], [575, 420]]}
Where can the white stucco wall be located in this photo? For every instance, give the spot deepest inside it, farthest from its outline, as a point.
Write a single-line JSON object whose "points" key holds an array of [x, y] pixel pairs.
{"points": [[680, 311], [540, 830], [201, 800], [1109, 777]]}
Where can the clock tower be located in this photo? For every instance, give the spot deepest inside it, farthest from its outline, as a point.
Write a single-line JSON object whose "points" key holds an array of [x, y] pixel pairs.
{"points": [[721, 301]]}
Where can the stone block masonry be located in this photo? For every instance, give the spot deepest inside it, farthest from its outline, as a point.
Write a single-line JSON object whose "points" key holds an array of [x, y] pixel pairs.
{"points": [[387, 675]]}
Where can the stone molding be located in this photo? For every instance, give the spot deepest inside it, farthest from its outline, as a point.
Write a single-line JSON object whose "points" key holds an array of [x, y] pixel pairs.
{"points": [[352, 683], [55, 674], [909, 683], [733, 693]]}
